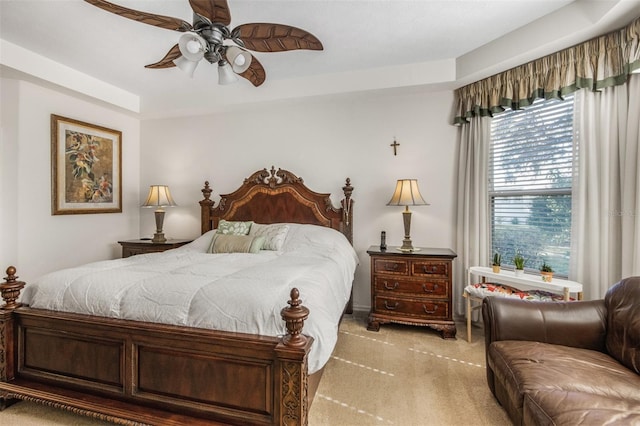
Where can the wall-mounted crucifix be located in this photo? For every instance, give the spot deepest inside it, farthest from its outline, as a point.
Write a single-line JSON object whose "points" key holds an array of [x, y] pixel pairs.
{"points": [[395, 146]]}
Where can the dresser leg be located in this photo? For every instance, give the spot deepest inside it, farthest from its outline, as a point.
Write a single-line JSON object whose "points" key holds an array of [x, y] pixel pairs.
{"points": [[373, 325], [449, 332], [7, 402]]}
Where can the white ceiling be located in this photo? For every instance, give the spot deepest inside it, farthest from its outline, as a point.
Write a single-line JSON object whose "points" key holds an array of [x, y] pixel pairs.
{"points": [[368, 45]]}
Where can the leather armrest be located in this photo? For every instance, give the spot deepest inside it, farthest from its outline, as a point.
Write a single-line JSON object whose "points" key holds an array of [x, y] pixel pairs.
{"points": [[577, 324]]}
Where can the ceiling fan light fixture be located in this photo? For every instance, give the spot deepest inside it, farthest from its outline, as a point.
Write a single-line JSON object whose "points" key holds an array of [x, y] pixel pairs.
{"points": [[210, 37], [225, 73], [186, 65], [192, 46], [239, 59]]}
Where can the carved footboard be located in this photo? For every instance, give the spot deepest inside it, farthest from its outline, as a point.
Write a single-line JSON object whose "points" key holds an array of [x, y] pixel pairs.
{"points": [[133, 372]]}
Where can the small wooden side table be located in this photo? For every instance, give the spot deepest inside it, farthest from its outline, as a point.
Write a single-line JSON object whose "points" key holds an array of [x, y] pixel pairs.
{"points": [[525, 282], [143, 246], [412, 288]]}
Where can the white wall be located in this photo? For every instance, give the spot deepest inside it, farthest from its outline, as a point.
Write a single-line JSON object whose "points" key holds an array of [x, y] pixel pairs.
{"points": [[9, 101], [33, 240], [324, 141]]}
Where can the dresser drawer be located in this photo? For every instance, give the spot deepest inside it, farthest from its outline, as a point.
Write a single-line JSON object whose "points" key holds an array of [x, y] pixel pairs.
{"points": [[132, 251], [421, 288], [391, 266], [423, 309], [135, 247], [430, 268]]}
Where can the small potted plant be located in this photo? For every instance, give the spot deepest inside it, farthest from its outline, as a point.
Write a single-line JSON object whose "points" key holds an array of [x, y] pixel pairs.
{"points": [[519, 261], [546, 271], [495, 265]]}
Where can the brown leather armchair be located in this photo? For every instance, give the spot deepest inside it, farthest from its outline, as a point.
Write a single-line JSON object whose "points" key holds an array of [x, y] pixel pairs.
{"points": [[566, 362]]}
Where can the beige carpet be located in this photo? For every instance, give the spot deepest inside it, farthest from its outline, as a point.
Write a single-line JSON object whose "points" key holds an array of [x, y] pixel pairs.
{"points": [[398, 376]]}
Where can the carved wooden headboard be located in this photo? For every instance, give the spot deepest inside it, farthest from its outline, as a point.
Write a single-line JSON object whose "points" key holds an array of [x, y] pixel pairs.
{"points": [[278, 197]]}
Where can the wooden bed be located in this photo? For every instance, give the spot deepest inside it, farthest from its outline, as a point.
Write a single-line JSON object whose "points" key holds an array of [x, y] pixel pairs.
{"points": [[131, 372]]}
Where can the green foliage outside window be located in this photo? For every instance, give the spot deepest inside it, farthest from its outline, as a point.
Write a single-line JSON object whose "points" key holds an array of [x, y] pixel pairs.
{"points": [[531, 172]]}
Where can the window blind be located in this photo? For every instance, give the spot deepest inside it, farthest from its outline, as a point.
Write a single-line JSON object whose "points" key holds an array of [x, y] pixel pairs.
{"points": [[530, 176]]}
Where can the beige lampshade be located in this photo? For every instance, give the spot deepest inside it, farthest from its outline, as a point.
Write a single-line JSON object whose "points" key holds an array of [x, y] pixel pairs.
{"points": [[159, 196], [407, 193]]}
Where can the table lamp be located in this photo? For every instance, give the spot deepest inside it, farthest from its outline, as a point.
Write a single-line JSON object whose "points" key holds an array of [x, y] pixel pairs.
{"points": [[407, 194], [159, 197]]}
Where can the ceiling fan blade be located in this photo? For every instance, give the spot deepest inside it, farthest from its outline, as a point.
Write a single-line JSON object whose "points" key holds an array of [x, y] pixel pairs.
{"points": [[167, 61], [264, 37], [214, 10], [255, 73], [144, 17]]}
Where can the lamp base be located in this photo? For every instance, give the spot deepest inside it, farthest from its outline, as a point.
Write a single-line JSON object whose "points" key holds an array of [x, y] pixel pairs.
{"points": [[158, 237], [407, 246]]}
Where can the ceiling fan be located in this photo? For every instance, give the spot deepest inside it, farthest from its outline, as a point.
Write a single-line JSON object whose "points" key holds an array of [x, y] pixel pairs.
{"points": [[210, 38]]}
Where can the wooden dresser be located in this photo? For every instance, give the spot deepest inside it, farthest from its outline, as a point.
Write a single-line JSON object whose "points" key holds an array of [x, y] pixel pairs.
{"points": [[133, 247], [412, 288]]}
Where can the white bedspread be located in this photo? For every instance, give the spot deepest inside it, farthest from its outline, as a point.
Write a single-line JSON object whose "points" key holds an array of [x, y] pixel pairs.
{"points": [[232, 292]]}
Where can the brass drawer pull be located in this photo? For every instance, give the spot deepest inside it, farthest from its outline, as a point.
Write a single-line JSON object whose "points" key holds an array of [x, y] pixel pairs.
{"points": [[428, 290], [393, 267], [430, 270], [391, 308], [435, 309], [388, 287]]}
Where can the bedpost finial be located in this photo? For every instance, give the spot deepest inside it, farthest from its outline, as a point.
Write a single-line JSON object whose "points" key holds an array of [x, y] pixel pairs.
{"points": [[11, 274], [295, 297], [347, 188], [294, 315], [10, 290], [206, 191]]}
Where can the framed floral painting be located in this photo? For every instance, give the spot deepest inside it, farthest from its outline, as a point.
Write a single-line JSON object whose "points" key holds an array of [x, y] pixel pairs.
{"points": [[86, 168]]}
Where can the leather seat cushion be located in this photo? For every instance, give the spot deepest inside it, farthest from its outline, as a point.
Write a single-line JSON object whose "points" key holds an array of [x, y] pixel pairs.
{"points": [[522, 366], [554, 407]]}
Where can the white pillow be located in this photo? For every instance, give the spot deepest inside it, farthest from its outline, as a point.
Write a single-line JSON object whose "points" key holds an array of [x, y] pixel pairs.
{"points": [[274, 235]]}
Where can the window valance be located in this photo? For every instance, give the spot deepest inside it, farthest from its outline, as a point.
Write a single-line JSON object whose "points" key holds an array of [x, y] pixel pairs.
{"points": [[595, 64]]}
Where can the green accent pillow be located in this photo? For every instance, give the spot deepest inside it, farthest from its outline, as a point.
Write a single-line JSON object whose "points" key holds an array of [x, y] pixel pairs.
{"points": [[274, 234], [228, 243], [234, 227]]}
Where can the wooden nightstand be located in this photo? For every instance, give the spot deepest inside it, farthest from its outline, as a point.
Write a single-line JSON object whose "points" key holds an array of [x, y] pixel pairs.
{"points": [[133, 247], [412, 288]]}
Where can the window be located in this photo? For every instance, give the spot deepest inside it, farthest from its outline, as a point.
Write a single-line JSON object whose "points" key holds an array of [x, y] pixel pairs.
{"points": [[530, 177]]}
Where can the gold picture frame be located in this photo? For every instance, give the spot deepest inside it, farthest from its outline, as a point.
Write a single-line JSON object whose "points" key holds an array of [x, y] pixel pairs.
{"points": [[86, 167]]}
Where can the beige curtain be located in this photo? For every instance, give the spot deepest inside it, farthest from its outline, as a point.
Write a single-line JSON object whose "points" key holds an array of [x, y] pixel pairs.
{"points": [[606, 197], [472, 206], [595, 64]]}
